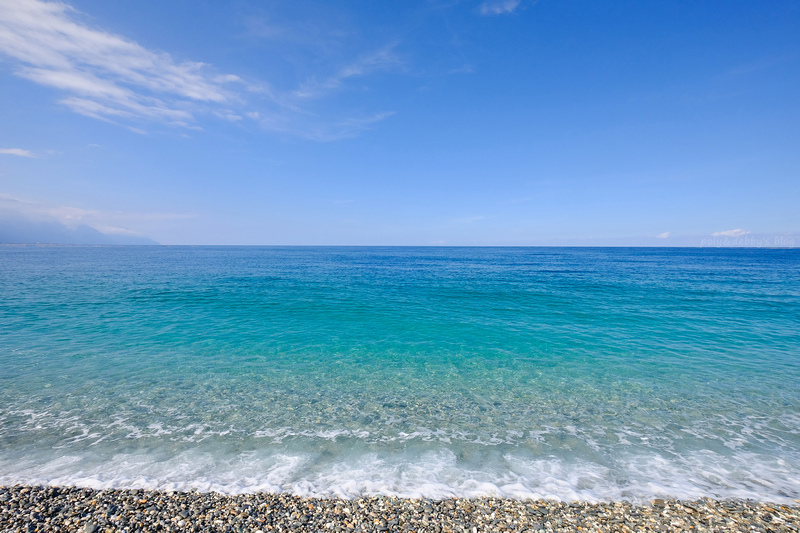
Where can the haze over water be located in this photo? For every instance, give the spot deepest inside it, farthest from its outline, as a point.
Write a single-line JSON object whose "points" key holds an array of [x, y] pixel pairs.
{"points": [[569, 373]]}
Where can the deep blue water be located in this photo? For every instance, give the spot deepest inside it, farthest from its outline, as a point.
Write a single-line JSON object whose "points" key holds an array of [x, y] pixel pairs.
{"points": [[571, 373]]}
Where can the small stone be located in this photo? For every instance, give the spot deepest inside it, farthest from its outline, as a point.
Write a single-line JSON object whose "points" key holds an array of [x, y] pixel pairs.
{"points": [[89, 527]]}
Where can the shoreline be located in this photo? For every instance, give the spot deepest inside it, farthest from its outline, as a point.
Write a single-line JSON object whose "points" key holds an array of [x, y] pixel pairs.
{"points": [[75, 509]]}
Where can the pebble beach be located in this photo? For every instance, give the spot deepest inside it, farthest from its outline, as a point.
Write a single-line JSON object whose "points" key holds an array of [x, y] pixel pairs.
{"points": [[61, 509]]}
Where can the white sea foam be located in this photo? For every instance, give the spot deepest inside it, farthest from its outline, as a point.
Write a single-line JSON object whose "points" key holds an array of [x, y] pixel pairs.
{"points": [[431, 473]]}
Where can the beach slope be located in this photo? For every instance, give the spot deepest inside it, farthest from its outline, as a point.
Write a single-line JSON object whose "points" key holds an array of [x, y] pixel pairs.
{"points": [[26, 509]]}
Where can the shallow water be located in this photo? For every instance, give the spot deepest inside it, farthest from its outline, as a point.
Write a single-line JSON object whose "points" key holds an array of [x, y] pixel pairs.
{"points": [[590, 374]]}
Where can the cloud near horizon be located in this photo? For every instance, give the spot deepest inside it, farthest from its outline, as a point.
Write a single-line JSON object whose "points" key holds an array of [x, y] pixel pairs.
{"points": [[111, 78], [730, 233], [108, 222]]}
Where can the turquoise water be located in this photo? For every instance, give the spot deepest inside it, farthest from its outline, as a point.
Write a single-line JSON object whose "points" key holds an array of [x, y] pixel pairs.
{"points": [[590, 374]]}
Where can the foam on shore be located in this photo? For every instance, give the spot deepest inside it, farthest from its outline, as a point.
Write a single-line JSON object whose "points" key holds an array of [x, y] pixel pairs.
{"points": [[420, 473]]}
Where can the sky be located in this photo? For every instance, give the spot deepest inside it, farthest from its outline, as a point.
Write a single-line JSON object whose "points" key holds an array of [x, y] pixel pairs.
{"points": [[432, 122]]}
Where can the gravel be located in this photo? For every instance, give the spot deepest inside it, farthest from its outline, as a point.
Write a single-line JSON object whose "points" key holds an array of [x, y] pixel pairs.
{"points": [[67, 509]]}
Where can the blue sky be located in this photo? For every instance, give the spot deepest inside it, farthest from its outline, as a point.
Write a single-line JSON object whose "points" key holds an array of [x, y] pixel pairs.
{"points": [[413, 123]]}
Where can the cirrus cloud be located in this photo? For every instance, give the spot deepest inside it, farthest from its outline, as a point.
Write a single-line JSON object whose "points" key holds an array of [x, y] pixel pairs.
{"points": [[105, 75], [111, 78]]}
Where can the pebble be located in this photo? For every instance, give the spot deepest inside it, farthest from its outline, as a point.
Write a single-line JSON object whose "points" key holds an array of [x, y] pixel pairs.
{"points": [[81, 510]]}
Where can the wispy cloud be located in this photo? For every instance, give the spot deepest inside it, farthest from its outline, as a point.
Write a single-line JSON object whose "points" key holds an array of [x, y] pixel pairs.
{"points": [[664, 235], [109, 77], [309, 125], [499, 7], [319, 28], [104, 75], [381, 60], [110, 222], [730, 233], [17, 151]]}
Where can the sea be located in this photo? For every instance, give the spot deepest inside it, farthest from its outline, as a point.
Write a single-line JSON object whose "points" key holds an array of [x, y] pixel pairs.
{"points": [[590, 374]]}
